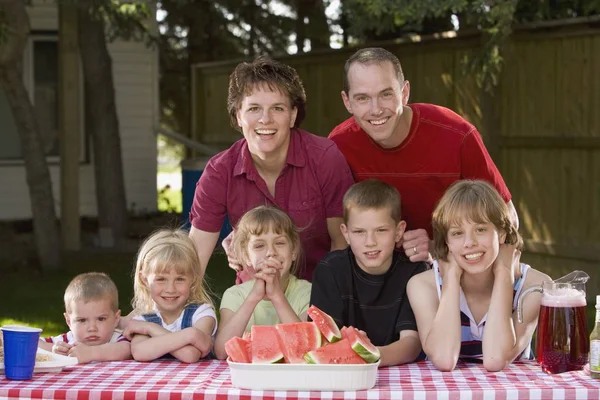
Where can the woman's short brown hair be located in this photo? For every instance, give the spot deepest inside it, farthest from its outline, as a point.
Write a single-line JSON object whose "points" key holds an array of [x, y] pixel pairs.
{"points": [[265, 72], [477, 201]]}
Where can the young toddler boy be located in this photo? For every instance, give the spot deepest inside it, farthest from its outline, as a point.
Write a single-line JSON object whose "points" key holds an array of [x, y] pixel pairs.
{"points": [[365, 285], [92, 313]]}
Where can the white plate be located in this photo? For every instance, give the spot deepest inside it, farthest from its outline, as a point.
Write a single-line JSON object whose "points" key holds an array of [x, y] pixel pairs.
{"points": [[303, 376], [56, 363]]}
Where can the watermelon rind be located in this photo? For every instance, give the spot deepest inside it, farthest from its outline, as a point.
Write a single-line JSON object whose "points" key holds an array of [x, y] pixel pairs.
{"points": [[362, 345], [334, 353], [325, 323]]}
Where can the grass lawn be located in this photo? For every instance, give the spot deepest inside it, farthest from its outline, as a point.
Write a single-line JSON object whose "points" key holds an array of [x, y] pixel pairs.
{"points": [[30, 298]]}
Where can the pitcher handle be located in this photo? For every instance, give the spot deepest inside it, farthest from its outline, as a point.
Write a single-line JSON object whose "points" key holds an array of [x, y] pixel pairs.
{"points": [[521, 298]]}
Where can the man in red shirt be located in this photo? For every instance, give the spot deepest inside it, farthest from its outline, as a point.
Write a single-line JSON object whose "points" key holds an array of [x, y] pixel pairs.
{"points": [[420, 149]]}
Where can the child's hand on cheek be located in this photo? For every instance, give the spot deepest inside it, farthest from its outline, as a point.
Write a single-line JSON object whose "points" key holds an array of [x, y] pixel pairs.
{"points": [[450, 268], [508, 261]]}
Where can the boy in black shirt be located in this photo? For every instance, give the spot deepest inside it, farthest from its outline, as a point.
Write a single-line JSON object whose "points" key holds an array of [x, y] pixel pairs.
{"points": [[365, 285]]}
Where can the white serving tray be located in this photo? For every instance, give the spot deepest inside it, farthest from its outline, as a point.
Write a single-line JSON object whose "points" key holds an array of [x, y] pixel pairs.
{"points": [[303, 376], [55, 364]]}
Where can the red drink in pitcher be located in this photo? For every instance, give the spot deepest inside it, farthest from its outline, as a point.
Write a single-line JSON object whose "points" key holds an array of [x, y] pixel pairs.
{"points": [[562, 336]]}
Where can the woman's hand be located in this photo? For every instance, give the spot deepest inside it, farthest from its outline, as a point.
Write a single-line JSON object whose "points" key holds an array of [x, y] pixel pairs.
{"points": [[234, 263]]}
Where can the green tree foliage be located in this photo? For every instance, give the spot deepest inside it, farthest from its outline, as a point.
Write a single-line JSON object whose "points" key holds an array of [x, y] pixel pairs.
{"points": [[196, 31], [387, 19]]}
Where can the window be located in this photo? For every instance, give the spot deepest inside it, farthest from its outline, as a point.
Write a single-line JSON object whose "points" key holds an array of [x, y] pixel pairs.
{"points": [[40, 73]]}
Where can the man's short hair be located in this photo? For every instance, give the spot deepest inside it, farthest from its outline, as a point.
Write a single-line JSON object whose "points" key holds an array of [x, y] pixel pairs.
{"points": [[91, 286], [372, 55], [372, 194]]}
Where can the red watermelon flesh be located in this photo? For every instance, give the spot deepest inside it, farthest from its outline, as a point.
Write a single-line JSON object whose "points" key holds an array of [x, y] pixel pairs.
{"points": [[344, 332], [325, 323], [238, 350], [334, 353], [265, 345], [297, 339]]}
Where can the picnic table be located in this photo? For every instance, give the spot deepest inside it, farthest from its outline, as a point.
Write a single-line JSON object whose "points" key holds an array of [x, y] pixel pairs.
{"points": [[211, 380]]}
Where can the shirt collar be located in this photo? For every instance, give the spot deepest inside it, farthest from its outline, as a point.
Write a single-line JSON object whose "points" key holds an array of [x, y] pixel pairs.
{"points": [[295, 155]]}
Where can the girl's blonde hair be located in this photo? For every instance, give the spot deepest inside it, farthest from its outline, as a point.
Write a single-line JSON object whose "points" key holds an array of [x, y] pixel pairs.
{"points": [[164, 250], [264, 219], [479, 202]]}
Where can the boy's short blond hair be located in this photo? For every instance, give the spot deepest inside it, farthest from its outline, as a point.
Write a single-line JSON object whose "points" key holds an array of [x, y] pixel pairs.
{"points": [[479, 202], [372, 194], [91, 286]]}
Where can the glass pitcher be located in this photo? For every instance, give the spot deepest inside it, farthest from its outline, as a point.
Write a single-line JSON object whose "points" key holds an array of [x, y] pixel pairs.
{"points": [[562, 335]]}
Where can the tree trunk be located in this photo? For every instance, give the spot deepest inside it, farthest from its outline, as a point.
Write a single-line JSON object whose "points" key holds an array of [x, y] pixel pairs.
{"points": [[318, 27], [300, 26], [15, 23], [103, 125]]}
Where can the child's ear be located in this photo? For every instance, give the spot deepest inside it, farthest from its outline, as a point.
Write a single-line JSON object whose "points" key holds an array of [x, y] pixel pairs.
{"points": [[344, 230], [118, 315], [68, 319], [400, 229], [502, 236]]}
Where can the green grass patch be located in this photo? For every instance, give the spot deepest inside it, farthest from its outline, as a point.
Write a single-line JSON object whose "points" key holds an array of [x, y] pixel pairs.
{"points": [[28, 297], [170, 200]]}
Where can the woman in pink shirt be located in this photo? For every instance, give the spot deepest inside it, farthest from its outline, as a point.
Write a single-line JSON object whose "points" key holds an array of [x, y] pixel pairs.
{"points": [[275, 163]]}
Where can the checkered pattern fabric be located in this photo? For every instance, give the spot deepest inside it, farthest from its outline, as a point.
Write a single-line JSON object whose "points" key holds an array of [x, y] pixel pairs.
{"points": [[211, 380]]}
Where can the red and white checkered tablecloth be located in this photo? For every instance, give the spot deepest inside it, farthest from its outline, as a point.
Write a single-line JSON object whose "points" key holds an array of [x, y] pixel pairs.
{"points": [[211, 380]]}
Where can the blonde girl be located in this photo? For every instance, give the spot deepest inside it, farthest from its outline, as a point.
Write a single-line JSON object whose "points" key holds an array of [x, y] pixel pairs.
{"points": [[173, 311], [474, 283], [267, 241]]}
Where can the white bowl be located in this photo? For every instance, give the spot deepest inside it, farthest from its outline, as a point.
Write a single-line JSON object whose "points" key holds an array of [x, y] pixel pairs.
{"points": [[303, 376]]}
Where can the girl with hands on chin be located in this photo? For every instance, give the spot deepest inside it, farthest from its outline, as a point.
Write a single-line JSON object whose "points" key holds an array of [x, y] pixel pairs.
{"points": [[475, 283], [267, 242]]}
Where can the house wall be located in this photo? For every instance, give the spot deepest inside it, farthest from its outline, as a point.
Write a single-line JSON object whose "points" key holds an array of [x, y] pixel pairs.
{"points": [[135, 69]]}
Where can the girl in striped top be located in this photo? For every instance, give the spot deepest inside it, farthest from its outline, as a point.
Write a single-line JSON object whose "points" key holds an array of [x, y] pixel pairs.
{"points": [[465, 306]]}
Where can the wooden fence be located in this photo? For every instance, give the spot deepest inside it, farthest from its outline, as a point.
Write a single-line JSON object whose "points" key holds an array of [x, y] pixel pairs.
{"points": [[541, 124]]}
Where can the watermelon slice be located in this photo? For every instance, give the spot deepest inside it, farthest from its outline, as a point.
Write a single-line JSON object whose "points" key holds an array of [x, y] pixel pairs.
{"points": [[238, 350], [265, 345], [361, 344], [334, 353], [297, 339], [325, 323]]}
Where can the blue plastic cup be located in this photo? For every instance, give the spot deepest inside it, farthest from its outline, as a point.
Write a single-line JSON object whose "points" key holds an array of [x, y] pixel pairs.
{"points": [[20, 346]]}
